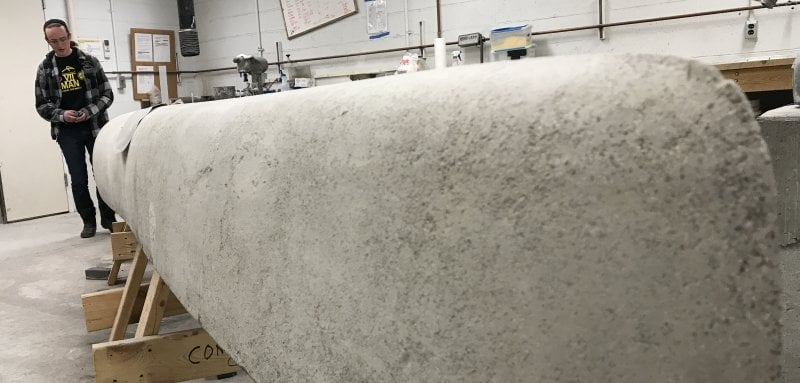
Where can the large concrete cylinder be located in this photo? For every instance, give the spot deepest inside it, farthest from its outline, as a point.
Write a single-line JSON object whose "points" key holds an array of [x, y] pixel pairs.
{"points": [[572, 219]]}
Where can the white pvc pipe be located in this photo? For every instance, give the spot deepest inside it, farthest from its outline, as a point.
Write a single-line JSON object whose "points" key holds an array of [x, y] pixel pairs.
{"points": [[258, 17], [70, 14], [406, 31], [114, 35], [439, 53]]}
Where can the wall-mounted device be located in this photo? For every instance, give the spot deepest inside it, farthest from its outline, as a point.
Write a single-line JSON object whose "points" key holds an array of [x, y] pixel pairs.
{"points": [[470, 40], [187, 34], [302, 82], [751, 28], [511, 43], [107, 49]]}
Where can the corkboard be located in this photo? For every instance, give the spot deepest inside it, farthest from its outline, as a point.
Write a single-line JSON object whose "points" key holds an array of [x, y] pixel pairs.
{"points": [[154, 62]]}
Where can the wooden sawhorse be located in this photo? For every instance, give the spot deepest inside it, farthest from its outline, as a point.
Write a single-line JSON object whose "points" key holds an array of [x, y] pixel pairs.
{"points": [[148, 357]]}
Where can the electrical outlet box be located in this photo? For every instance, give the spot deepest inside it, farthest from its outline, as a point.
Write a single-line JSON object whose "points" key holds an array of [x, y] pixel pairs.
{"points": [[751, 29]]}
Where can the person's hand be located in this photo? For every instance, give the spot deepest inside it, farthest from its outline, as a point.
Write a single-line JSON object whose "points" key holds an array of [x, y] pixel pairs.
{"points": [[74, 116]]}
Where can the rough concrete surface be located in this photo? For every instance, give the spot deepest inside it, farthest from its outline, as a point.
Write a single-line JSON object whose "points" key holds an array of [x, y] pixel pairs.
{"points": [[781, 130], [570, 219], [42, 335]]}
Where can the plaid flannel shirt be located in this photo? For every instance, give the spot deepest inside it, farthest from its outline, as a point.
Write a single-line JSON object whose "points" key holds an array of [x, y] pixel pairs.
{"points": [[98, 92]]}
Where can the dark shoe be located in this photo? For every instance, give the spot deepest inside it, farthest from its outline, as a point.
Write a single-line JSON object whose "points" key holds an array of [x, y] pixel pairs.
{"points": [[89, 222], [88, 230]]}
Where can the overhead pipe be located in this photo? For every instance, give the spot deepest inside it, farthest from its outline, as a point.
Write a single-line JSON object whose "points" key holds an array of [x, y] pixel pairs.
{"points": [[540, 33], [302, 60], [663, 18]]}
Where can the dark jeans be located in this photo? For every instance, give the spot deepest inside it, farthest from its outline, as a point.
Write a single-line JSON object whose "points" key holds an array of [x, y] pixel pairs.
{"points": [[74, 144]]}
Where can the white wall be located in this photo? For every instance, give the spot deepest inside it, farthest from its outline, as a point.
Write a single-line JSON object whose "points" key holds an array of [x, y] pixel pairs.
{"points": [[229, 27]]}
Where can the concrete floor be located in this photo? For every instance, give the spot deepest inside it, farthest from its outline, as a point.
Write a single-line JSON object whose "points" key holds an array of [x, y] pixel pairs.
{"points": [[42, 333]]}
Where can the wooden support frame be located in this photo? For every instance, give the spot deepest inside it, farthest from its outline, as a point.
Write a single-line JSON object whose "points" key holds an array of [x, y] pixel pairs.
{"points": [[100, 308], [117, 227], [129, 293], [114, 273], [176, 357], [148, 357], [123, 248], [154, 305]]}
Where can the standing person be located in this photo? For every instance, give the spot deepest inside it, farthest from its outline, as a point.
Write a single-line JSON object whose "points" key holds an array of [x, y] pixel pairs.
{"points": [[73, 93]]}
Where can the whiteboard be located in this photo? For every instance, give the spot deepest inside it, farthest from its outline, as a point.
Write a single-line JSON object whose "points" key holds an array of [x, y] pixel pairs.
{"points": [[302, 16]]}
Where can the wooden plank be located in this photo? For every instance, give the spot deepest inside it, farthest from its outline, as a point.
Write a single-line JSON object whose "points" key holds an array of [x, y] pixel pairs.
{"points": [[114, 273], [129, 293], [123, 246], [153, 309], [117, 227], [100, 308], [757, 63], [762, 78], [175, 357]]}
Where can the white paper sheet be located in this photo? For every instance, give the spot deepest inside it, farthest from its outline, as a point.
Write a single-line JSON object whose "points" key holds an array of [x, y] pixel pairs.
{"points": [[144, 82], [161, 48], [93, 47], [143, 46]]}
